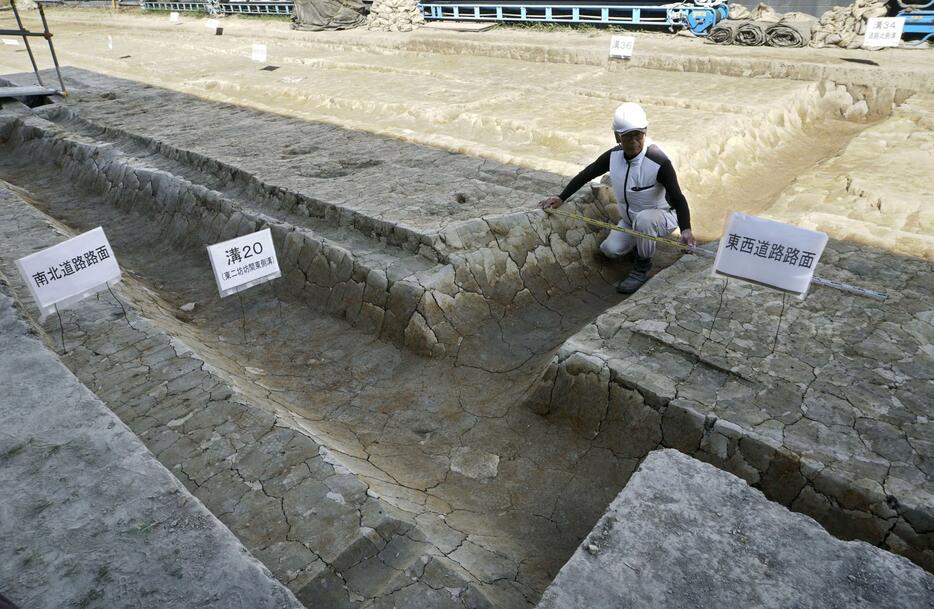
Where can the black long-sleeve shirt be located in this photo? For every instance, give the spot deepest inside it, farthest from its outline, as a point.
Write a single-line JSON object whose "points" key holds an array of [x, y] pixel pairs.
{"points": [[655, 162]]}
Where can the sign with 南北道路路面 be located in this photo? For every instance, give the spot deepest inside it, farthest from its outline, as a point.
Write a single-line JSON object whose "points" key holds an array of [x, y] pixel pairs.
{"points": [[70, 271], [769, 253]]}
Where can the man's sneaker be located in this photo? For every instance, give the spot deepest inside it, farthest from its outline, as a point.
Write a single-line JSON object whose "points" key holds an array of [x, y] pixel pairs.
{"points": [[633, 282]]}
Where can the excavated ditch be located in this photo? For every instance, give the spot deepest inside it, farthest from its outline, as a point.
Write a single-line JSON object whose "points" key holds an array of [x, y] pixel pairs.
{"points": [[443, 446], [304, 413]]}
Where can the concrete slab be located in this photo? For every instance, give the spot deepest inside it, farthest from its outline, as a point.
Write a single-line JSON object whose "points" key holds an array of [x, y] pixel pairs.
{"points": [[88, 517], [686, 534]]}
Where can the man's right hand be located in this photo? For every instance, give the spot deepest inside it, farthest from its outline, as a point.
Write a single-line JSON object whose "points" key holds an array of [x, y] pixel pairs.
{"points": [[552, 202]]}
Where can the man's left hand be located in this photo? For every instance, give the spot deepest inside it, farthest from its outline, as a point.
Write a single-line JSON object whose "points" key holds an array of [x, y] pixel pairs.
{"points": [[687, 237]]}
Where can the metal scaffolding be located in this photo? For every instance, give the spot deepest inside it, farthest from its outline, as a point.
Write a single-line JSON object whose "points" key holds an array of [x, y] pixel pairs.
{"points": [[26, 35]]}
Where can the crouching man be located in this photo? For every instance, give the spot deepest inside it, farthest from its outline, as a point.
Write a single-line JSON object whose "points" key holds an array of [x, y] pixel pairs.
{"points": [[646, 187]]}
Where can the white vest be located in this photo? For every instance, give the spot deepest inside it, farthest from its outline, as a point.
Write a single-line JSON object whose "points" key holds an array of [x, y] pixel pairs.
{"points": [[635, 182]]}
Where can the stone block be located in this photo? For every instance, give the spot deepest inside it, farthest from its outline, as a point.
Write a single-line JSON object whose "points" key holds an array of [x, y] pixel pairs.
{"points": [[682, 426], [370, 319], [632, 428], [403, 300], [581, 393], [686, 534], [101, 522], [377, 289], [420, 339]]}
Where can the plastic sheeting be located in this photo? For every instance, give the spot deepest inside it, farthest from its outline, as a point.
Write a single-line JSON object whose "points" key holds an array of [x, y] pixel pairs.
{"points": [[792, 34], [751, 33], [318, 15], [763, 26], [725, 31]]}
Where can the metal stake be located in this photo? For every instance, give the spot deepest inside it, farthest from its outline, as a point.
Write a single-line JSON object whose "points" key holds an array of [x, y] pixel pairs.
{"points": [[242, 316], [61, 327]]}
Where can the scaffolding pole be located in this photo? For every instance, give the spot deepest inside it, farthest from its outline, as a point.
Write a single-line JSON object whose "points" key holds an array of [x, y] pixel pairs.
{"points": [[26, 34]]}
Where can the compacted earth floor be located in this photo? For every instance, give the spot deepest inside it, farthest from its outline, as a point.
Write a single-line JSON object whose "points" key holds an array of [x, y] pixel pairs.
{"points": [[742, 124], [496, 494]]}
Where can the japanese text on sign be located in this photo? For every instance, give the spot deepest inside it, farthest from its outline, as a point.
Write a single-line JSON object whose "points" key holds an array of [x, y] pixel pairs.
{"points": [[70, 266], [769, 252], [247, 268], [243, 262], [778, 252], [621, 46], [883, 32], [72, 270]]}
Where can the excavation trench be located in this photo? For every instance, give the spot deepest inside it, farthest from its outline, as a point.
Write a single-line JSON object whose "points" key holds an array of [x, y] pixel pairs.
{"points": [[480, 499], [492, 492]]}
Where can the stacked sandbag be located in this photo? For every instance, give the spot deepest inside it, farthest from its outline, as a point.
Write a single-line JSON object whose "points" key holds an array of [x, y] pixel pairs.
{"points": [[395, 16], [213, 8], [738, 12], [845, 26], [765, 14]]}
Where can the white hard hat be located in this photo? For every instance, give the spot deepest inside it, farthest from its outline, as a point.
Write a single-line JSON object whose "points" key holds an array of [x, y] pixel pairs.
{"points": [[629, 117]]}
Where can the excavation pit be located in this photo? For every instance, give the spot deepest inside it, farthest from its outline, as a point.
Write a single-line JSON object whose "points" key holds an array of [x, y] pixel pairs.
{"points": [[443, 393]]}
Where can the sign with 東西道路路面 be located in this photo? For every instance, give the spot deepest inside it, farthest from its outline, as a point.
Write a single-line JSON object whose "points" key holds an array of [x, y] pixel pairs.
{"points": [[243, 262], [70, 271], [769, 253]]}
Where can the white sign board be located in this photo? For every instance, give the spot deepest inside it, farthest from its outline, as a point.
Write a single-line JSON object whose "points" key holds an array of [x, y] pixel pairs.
{"points": [[11, 42], [213, 24], [621, 46], [70, 271], [243, 262], [883, 32], [770, 253], [173, 17], [258, 53], [110, 43]]}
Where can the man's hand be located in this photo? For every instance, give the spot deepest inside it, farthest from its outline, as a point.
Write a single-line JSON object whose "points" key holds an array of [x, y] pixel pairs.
{"points": [[687, 238], [552, 202]]}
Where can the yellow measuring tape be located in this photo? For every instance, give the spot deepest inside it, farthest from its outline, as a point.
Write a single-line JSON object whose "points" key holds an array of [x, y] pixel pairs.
{"points": [[622, 229], [829, 283]]}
